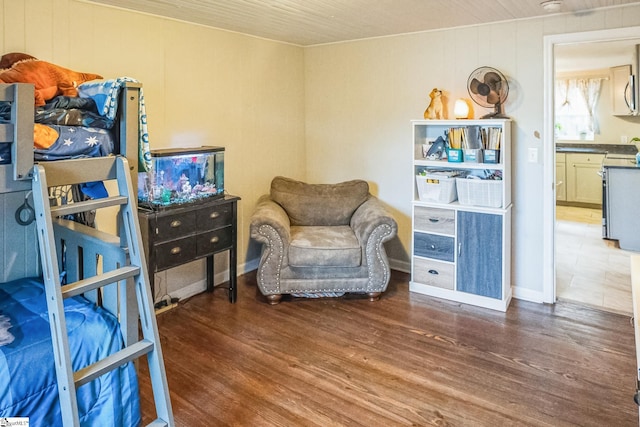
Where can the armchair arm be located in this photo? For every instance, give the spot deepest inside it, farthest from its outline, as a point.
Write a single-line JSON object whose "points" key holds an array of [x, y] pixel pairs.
{"points": [[373, 226], [270, 226], [271, 214], [368, 217]]}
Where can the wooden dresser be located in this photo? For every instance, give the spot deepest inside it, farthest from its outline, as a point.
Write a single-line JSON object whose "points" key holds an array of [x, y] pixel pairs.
{"points": [[183, 233]]}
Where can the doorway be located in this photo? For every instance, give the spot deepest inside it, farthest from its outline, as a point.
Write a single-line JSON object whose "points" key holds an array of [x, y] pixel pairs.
{"points": [[554, 263]]}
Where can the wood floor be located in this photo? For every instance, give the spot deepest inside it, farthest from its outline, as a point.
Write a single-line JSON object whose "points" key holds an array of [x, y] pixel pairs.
{"points": [[406, 360]]}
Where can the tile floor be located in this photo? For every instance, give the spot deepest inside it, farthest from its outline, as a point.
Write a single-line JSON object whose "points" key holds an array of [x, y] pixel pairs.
{"points": [[589, 269]]}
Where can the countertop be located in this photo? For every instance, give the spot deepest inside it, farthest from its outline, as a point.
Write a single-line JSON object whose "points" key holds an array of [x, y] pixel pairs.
{"points": [[620, 161], [565, 147]]}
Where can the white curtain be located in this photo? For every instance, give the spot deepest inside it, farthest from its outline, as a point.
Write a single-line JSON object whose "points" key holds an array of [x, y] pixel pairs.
{"points": [[590, 91]]}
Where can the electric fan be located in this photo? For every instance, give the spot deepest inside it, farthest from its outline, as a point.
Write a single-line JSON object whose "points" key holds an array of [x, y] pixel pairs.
{"points": [[488, 88]]}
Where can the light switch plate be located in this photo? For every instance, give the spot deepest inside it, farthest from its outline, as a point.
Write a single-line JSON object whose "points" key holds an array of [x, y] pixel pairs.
{"points": [[533, 155]]}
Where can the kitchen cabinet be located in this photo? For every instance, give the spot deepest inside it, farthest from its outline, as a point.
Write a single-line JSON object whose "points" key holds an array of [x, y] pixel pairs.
{"points": [[461, 249], [583, 180], [561, 177]]}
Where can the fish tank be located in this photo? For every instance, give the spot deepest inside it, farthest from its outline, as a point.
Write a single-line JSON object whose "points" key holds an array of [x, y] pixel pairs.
{"points": [[182, 175]]}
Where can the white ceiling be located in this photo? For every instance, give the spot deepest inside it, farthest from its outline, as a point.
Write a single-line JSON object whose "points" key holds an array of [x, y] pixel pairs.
{"points": [[311, 22]]}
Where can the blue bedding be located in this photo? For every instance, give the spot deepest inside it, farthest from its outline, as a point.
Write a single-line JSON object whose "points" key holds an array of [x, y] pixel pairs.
{"points": [[28, 386], [75, 142]]}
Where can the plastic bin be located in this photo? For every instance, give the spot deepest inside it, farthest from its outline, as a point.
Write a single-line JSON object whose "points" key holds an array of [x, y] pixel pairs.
{"points": [[473, 155], [437, 187], [479, 192], [492, 156]]}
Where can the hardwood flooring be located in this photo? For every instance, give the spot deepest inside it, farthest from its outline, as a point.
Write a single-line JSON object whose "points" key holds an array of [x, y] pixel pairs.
{"points": [[406, 360]]}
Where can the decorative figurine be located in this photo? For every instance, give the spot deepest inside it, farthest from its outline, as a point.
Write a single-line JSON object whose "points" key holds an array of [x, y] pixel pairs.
{"points": [[434, 110]]}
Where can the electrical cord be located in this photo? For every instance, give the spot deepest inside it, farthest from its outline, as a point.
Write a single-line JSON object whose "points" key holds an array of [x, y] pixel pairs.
{"points": [[25, 209]]}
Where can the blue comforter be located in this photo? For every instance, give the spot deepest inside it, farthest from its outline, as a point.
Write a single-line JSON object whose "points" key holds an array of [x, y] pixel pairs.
{"points": [[75, 142], [28, 386]]}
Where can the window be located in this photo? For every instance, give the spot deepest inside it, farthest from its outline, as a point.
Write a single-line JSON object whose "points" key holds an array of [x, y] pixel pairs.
{"points": [[575, 104]]}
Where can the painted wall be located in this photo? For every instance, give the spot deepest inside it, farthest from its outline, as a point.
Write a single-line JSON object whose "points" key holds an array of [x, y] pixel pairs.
{"points": [[325, 113], [202, 86], [361, 96]]}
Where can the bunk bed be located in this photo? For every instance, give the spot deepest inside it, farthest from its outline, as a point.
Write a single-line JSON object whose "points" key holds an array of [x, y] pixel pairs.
{"points": [[101, 321]]}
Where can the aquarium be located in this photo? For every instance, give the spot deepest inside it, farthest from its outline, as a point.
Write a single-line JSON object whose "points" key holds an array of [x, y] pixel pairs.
{"points": [[182, 175]]}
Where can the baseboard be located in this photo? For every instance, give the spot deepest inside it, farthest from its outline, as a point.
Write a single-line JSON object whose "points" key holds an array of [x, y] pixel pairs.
{"points": [[190, 290], [528, 295], [249, 266], [195, 288], [403, 266]]}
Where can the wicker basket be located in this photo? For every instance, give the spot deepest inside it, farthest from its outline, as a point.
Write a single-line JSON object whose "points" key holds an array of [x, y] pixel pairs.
{"points": [[479, 192], [436, 188]]}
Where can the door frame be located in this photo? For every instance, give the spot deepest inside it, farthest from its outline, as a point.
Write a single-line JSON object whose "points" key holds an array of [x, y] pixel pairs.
{"points": [[549, 170]]}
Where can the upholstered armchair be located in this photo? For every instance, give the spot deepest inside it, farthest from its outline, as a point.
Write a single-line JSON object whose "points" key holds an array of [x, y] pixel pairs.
{"points": [[321, 240]]}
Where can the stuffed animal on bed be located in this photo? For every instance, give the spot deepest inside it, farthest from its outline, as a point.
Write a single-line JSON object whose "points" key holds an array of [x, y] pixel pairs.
{"points": [[8, 59], [50, 80]]}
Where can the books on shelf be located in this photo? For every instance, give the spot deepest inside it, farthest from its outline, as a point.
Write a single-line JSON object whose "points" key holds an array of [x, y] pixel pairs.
{"points": [[475, 137]]}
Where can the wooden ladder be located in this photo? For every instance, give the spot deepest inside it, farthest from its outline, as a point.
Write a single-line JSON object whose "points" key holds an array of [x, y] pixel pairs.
{"points": [[132, 273]]}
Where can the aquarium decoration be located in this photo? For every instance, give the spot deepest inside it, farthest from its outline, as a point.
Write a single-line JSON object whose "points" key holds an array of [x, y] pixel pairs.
{"points": [[182, 175]]}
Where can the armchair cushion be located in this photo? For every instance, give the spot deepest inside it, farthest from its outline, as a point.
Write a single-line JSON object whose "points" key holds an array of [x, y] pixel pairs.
{"points": [[319, 204], [324, 247]]}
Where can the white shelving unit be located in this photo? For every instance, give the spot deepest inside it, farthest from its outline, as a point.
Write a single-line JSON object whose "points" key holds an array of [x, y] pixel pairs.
{"points": [[461, 249]]}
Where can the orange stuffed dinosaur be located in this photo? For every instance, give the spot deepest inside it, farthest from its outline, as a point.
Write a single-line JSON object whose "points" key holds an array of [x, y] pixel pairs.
{"points": [[50, 80]]}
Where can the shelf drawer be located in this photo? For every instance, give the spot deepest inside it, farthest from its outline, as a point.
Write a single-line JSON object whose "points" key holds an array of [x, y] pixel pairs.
{"points": [[173, 226], [434, 220], [175, 252], [433, 246], [213, 217], [433, 273], [213, 241]]}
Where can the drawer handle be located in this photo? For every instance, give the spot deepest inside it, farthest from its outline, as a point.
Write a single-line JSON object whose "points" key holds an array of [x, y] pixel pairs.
{"points": [[214, 239], [433, 272], [214, 215], [176, 250], [176, 223], [434, 219], [433, 247]]}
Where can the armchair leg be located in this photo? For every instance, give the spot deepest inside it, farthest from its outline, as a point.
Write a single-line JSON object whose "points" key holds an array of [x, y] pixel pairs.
{"points": [[374, 296], [274, 299]]}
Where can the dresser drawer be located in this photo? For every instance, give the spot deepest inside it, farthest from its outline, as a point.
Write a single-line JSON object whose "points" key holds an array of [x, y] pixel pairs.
{"points": [[433, 273], [174, 226], [213, 241], [212, 217], [434, 220], [433, 246], [175, 252]]}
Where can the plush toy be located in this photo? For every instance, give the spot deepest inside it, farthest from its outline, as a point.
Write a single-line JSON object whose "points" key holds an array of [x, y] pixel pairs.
{"points": [[8, 59], [50, 80], [434, 110], [43, 136]]}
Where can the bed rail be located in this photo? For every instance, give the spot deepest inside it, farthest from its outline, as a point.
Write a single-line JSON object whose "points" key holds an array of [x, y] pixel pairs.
{"points": [[89, 251], [17, 175]]}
